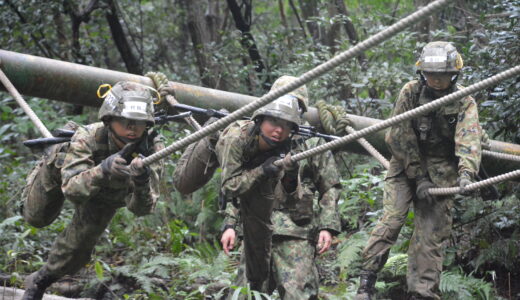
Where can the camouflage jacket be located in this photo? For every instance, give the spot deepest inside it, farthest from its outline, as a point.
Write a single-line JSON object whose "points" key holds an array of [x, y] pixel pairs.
{"points": [[454, 134], [316, 197], [83, 179]]}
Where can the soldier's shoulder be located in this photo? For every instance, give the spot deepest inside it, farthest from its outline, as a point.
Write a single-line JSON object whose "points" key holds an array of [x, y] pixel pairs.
{"points": [[465, 100], [412, 86], [88, 131], [237, 130]]}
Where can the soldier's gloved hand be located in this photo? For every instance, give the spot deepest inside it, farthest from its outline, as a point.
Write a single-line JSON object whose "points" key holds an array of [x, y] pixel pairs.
{"points": [[115, 166], [139, 172], [464, 180], [269, 168], [422, 189]]}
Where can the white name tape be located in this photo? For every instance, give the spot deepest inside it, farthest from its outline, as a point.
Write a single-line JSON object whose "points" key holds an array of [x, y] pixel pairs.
{"points": [[134, 106], [435, 59]]}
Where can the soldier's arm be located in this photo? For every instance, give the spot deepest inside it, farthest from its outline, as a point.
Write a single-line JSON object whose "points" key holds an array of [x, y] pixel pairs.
{"points": [[231, 217], [401, 138], [327, 180], [81, 178], [144, 196], [235, 179], [467, 138]]}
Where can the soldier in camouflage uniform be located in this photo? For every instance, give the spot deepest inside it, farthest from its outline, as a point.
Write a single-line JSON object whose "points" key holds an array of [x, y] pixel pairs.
{"points": [[100, 170], [298, 224], [440, 149], [246, 151]]}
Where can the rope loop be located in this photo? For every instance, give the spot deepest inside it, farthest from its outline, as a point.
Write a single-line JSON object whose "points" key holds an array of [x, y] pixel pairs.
{"points": [[160, 81], [333, 118]]}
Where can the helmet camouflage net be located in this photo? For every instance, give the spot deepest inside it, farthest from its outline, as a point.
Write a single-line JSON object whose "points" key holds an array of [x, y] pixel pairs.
{"points": [[440, 57], [128, 100], [300, 93], [285, 108]]}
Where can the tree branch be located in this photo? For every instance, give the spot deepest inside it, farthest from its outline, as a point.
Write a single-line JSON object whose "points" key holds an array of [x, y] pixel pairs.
{"points": [[243, 23], [118, 34]]}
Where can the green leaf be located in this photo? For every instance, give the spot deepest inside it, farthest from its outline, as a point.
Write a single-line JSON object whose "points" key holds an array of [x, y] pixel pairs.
{"points": [[99, 270]]}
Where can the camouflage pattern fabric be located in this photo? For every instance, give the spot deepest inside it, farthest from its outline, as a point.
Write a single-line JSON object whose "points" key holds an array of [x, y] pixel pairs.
{"points": [[42, 197], [462, 135], [196, 166], [96, 197], [297, 219], [293, 271], [243, 178], [410, 159]]}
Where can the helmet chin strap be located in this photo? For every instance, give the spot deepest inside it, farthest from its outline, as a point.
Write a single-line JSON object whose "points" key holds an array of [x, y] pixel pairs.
{"points": [[435, 94], [269, 141]]}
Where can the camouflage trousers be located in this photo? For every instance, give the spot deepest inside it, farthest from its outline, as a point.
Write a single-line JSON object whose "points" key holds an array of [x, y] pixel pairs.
{"points": [[293, 271], [432, 222], [73, 246]]}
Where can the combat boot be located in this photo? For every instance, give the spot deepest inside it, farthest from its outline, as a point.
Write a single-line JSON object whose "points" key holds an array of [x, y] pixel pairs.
{"points": [[367, 282], [36, 284]]}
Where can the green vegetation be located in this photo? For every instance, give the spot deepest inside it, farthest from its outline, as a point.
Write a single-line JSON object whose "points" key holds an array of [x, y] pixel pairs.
{"points": [[175, 253]]}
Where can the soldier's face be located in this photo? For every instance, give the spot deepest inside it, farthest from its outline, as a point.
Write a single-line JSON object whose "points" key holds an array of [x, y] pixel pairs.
{"points": [[438, 81], [277, 130], [129, 129]]}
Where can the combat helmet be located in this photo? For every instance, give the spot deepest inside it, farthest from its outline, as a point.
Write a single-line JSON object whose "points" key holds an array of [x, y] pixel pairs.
{"points": [[129, 100], [300, 93], [439, 57], [285, 108]]}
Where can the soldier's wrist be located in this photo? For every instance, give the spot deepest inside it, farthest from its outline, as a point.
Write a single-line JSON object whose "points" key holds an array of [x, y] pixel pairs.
{"points": [[226, 227], [466, 175]]}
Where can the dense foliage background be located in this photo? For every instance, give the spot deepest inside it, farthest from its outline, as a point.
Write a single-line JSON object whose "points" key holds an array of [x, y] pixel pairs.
{"points": [[242, 46]]}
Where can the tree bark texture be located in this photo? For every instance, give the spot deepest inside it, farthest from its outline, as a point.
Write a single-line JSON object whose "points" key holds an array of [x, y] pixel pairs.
{"points": [[118, 35]]}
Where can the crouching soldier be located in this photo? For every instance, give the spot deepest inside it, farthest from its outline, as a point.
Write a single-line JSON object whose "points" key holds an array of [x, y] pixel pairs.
{"points": [[300, 227], [246, 151], [99, 171], [439, 149]]}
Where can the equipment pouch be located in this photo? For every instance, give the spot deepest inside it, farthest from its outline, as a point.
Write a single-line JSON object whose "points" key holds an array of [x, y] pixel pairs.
{"points": [[301, 212]]}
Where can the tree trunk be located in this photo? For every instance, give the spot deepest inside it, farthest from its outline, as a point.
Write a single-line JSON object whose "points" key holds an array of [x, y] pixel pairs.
{"points": [[118, 35], [243, 23], [201, 37], [309, 9], [350, 30], [424, 27]]}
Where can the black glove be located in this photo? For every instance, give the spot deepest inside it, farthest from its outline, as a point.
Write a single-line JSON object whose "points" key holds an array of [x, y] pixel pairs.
{"points": [[465, 179], [115, 166], [139, 172], [422, 190], [269, 168]]}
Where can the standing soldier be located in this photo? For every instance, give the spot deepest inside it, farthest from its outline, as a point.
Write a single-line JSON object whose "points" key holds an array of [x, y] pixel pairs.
{"points": [[440, 149], [297, 225], [246, 151], [99, 171]]}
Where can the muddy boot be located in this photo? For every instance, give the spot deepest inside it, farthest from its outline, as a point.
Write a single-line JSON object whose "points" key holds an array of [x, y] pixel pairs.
{"points": [[36, 284], [367, 282]]}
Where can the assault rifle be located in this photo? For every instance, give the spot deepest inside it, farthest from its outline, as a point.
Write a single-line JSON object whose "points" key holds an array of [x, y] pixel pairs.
{"points": [[303, 130], [63, 135]]}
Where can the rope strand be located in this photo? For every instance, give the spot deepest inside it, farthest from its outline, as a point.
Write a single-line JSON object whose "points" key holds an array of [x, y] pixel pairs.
{"points": [[305, 78]]}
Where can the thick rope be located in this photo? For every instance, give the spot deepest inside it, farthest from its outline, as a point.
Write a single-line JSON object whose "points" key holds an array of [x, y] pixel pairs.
{"points": [[500, 155], [305, 78], [26, 108], [161, 83], [475, 185], [409, 114], [334, 120]]}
